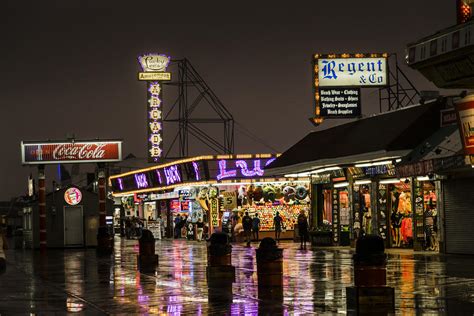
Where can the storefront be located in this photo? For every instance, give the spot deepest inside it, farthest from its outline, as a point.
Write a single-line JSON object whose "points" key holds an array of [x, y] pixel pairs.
{"points": [[72, 219], [355, 187], [217, 190]]}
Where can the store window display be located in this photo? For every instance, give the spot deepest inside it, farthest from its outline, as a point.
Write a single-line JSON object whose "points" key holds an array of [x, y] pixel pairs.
{"points": [[401, 215], [430, 217], [327, 207], [288, 199], [366, 208]]}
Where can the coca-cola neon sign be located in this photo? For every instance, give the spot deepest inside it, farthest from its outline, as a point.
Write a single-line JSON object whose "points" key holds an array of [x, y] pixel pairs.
{"points": [[71, 152]]}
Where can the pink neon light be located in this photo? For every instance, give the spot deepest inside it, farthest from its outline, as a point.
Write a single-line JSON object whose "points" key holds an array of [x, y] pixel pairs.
{"points": [[257, 170], [269, 161], [141, 181], [159, 176], [172, 175], [196, 170], [223, 173]]}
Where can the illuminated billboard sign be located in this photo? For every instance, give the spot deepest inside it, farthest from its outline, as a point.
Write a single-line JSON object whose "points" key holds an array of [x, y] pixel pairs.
{"points": [[352, 72], [465, 110], [337, 79], [340, 102], [70, 152], [154, 71], [198, 170]]}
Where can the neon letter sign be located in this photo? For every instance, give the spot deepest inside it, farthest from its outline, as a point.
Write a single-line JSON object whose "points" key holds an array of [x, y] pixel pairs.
{"points": [[257, 171], [196, 170], [172, 175], [223, 173], [141, 181]]}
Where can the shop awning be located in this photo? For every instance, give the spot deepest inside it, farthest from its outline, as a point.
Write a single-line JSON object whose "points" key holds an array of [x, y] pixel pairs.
{"points": [[440, 153], [388, 135]]}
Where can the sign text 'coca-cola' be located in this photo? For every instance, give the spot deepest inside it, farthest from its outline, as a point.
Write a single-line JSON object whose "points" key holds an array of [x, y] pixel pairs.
{"points": [[71, 152]]}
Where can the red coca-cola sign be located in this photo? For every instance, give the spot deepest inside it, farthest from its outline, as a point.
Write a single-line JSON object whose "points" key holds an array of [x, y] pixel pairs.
{"points": [[71, 152]]}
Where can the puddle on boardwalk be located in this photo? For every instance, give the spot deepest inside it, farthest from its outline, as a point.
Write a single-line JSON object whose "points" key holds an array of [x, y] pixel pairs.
{"points": [[79, 281]]}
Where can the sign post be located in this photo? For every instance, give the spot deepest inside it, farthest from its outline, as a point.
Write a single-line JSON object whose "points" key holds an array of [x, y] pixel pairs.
{"points": [[337, 79], [154, 72], [42, 208]]}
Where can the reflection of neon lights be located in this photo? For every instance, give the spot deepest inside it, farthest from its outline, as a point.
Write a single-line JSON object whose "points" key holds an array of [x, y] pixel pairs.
{"points": [[196, 170], [257, 171], [120, 183], [223, 173], [172, 175], [141, 181]]}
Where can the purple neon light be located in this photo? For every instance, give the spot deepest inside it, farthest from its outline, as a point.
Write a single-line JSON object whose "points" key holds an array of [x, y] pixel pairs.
{"points": [[196, 170], [172, 175], [159, 176], [269, 161], [257, 171], [223, 173], [155, 123], [141, 181], [154, 88], [120, 183]]}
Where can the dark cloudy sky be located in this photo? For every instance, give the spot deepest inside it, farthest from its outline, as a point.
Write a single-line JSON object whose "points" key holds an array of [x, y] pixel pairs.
{"points": [[70, 66]]}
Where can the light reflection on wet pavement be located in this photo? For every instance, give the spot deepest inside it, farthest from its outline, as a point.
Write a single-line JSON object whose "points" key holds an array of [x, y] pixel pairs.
{"points": [[314, 282]]}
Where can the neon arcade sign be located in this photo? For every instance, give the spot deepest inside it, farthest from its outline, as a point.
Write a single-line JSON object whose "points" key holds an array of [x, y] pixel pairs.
{"points": [[241, 168], [190, 172], [159, 177]]}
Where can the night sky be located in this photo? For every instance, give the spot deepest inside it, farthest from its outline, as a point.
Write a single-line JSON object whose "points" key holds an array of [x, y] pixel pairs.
{"points": [[70, 66]]}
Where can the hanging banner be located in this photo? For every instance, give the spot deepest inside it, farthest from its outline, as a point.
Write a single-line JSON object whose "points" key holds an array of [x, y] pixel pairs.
{"points": [[229, 200], [465, 110], [214, 210]]}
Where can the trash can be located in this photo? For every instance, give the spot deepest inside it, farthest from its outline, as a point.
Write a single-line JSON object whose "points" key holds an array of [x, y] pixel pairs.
{"points": [[18, 239]]}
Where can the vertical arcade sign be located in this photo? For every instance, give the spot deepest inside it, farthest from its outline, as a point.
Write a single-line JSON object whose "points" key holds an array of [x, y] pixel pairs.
{"points": [[154, 73]]}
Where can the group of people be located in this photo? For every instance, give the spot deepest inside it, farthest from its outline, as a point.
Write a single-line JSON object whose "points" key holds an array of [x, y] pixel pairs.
{"points": [[252, 225], [185, 228]]}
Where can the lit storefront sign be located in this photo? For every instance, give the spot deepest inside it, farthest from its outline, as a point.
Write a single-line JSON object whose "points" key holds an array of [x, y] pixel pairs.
{"points": [[71, 152], [154, 67], [73, 196], [200, 169], [337, 79], [355, 72], [465, 110]]}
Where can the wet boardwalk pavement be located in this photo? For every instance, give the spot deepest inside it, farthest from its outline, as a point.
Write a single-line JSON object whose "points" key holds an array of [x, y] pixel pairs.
{"points": [[78, 281]]}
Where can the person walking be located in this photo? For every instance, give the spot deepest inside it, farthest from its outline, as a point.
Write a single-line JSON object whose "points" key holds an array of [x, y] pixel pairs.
{"points": [[247, 224], [177, 227], [3, 247], [199, 229], [303, 229], [277, 221], [255, 227]]}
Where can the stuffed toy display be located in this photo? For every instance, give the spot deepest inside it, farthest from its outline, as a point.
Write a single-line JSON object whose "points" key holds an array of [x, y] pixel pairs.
{"points": [[269, 193], [301, 193], [258, 194], [289, 193]]}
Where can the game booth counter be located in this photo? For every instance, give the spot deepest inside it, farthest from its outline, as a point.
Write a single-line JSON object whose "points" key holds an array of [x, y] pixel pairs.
{"points": [[218, 190]]}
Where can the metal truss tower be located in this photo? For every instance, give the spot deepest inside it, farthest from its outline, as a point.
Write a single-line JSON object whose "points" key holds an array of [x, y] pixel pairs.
{"points": [[195, 108], [400, 91]]}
